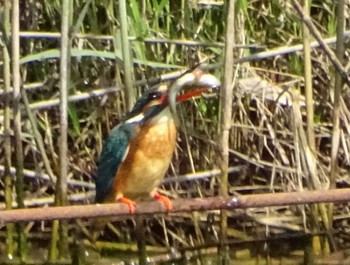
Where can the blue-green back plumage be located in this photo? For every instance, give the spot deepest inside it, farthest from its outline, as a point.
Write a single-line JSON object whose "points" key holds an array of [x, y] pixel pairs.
{"points": [[113, 153], [115, 148]]}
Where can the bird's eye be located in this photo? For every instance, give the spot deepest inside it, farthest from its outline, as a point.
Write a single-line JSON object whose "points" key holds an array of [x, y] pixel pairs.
{"points": [[154, 95]]}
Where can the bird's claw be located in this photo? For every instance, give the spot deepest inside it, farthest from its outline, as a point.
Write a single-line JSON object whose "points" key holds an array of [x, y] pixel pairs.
{"points": [[165, 200], [130, 203]]}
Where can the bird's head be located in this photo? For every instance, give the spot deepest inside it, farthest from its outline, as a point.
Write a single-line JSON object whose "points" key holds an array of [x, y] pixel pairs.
{"points": [[158, 98]]}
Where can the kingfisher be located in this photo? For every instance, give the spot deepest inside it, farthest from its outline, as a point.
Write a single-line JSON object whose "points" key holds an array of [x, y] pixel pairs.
{"points": [[136, 155]]}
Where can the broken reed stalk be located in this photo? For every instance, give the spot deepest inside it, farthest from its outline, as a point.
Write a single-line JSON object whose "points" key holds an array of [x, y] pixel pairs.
{"points": [[127, 60], [338, 86], [37, 137], [309, 165], [310, 134], [180, 205], [308, 83], [226, 117], [10, 229], [60, 230], [16, 83], [330, 54]]}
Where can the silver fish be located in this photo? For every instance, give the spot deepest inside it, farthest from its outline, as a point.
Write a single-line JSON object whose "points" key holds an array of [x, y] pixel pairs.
{"points": [[196, 79]]}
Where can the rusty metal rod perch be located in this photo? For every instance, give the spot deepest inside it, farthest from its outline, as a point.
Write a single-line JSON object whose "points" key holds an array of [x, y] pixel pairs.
{"points": [[180, 205]]}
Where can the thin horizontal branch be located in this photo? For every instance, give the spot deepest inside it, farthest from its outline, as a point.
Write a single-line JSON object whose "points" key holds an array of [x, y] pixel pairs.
{"points": [[288, 49], [56, 35], [50, 200], [33, 174], [26, 86], [199, 175], [181, 205], [73, 98], [263, 163]]}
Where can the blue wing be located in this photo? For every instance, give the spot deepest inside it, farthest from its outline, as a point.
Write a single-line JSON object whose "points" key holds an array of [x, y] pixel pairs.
{"points": [[113, 152]]}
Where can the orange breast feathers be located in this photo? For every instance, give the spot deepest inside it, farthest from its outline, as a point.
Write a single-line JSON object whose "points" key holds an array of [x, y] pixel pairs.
{"points": [[147, 161]]}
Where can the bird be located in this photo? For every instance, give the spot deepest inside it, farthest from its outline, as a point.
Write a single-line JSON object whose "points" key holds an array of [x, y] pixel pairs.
{"points": [[138, 151]]}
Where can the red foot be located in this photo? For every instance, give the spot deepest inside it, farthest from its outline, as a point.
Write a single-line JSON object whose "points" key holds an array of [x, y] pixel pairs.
{"points": [[130, 203], [165, 200]]}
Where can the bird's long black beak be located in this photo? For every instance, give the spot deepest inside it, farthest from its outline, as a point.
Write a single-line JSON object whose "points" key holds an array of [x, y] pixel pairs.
{"points": [[197, 81]]}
